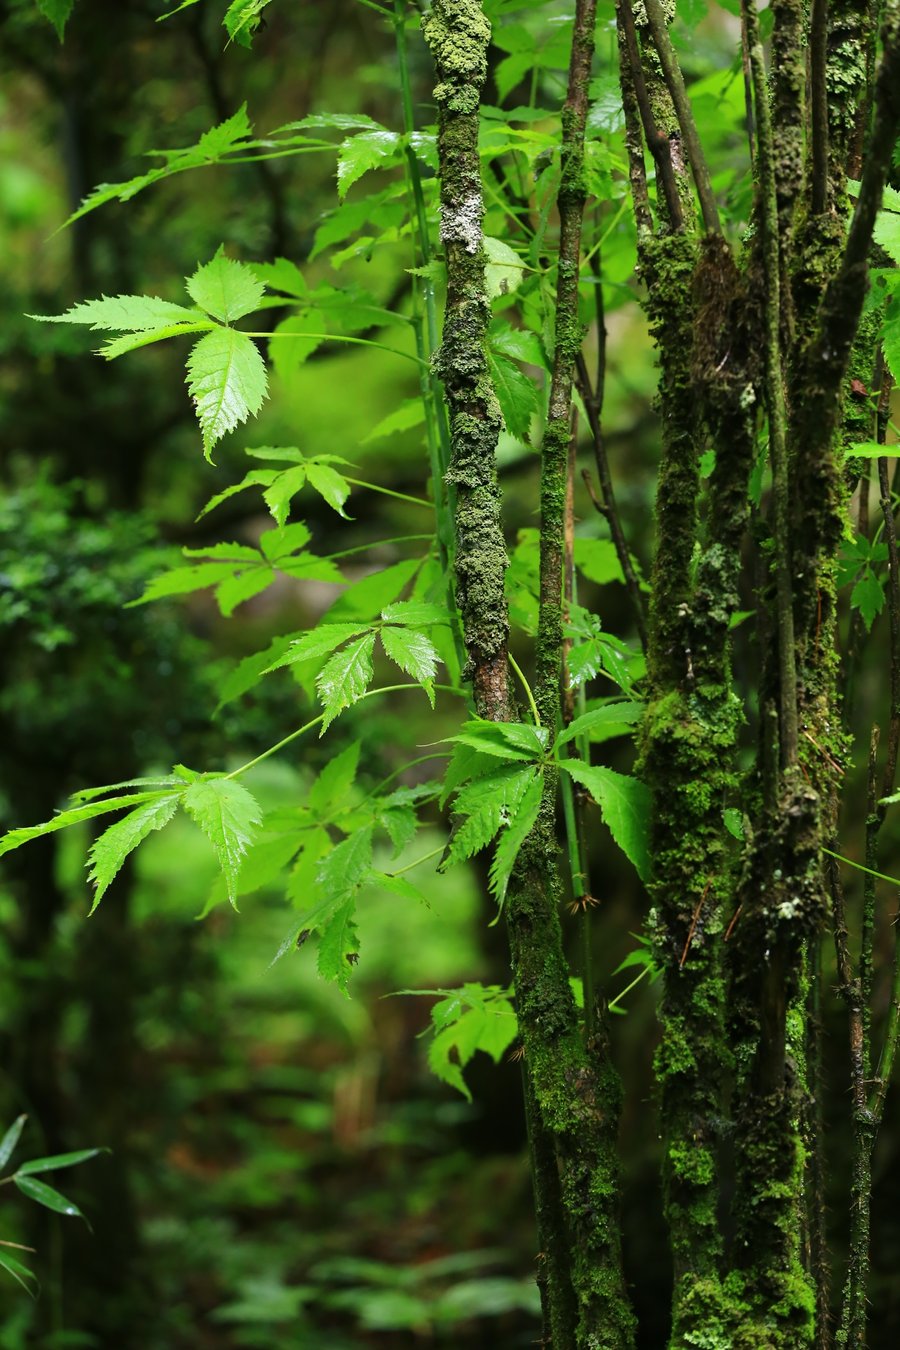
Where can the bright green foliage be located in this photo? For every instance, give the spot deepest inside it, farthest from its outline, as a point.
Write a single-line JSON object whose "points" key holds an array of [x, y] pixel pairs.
{"points": [[226, 289], [625, 805], [367, 150], [125, 314], [475, 1017], [227, 381], [58, 12], [280, 486], [345, 677], [339, 946], [24, 1180], [229, 817], [242, 19], [110, 849]]}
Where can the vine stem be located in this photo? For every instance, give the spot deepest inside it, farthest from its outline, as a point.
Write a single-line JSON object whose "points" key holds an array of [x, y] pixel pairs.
{"points": [[341, 337], [314, 722], [526, 686]]}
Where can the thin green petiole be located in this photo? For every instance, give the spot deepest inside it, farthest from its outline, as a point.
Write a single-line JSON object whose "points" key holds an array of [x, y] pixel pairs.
{"points": [[527, 687], [895, 881], [341, 337], [417, 861], [628, 988], [389, 492]]}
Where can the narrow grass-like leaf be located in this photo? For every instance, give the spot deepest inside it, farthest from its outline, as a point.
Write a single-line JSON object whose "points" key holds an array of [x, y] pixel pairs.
{"points": [[19, 1272], [60, 1160], [48, 1197], [10, 1140]]}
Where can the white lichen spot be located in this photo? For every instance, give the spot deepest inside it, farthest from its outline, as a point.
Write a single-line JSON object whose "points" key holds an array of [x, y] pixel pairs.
{"points": [[461, 224]]}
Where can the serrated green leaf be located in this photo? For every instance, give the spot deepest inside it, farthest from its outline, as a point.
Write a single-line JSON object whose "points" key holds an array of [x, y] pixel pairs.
{"points": [[15, 838], [625, 805], [597, 560], [57, 1162], [282, 275], [124, 314], [184, 580], [225, 288], [318, 641], [358, 154], [161, 782], [513, 837], [868, 597], [335, 781], [282, 542], [57, 12], [11, 1139], [242, 586], [345, 677], [338, 944], [411, 413], [242, 19], [341, 871], [518, 344], [487, 804], [503, 740], [516, 394], [295, 339], [229, 816], [504, 270], [466, 763], [870, 450], [281, 491], [890, 341], [260, 478], [395, 885], [330, 485], [227, 381], [615, 714], [109, 851], [887, 234], [415, 614], [303, 880], [131, 342], [414, 653], [48, 1197]]}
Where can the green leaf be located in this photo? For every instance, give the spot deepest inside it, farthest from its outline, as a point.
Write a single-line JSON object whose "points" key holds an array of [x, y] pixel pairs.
{"points": [[242, 19], [10, 1140], [488, 804], [516, 394], [414, 613], [261, 478], [19, 1272], [60, 1160], [124, 314], [597, 560], [504, 270], [868, 597], [282, 490], [284, 541], [341, 871], [366, 598], [109, 851], [335, 781], [345, 678], [401, 886], [57, 12], [15, 838], [887, 234], [184, 580], [734, 822], [318, 642], [519, 344], [227, 381], [45, 1195], [229, 816], [130, 342], [513, 837], [359, 154], [226, 289], [414, 653], [890, 340], [290, 345], [410, 413], [610, 714], [625, 805], [505, 740], [870, 450], [282, 275], [338, 945], [330, 485]]}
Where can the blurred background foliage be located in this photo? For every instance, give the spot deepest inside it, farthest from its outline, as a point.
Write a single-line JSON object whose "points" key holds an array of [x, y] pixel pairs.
{"points": [[284, 1171]]}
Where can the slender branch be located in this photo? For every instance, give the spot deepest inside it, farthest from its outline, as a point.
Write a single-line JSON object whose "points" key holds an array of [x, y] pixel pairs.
{"points": [[675, 84], [657, 140], [818, 61], [787, 671]]}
